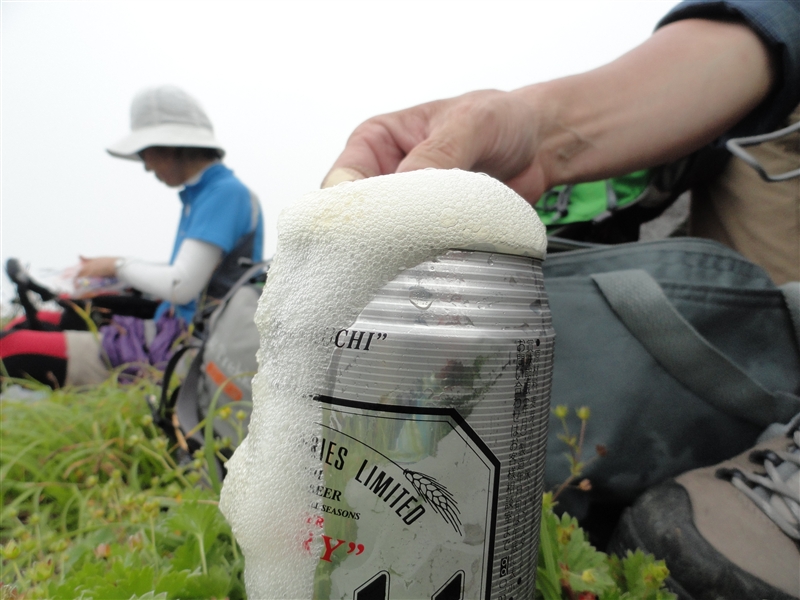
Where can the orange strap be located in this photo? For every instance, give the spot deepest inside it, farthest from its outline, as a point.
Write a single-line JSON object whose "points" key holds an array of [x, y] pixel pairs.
{"points": [[231, 389]]}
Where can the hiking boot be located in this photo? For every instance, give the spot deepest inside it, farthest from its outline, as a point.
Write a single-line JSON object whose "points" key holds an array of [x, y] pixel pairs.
{"points": [[731, 531]]}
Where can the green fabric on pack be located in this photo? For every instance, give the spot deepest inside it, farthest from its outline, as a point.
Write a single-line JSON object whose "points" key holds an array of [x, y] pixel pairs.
{"points": [[582, 202]]}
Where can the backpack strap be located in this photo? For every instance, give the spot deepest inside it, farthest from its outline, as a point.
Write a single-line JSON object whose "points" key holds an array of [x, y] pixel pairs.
{"points": [[251, 272], [188, 415], [163, 410], [186, 408], [791, 295], [642, 306], [233, 264]]}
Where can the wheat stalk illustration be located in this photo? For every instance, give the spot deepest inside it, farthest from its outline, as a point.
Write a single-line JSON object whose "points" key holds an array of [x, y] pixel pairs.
{"points": [[430, 490], [436, 495]]}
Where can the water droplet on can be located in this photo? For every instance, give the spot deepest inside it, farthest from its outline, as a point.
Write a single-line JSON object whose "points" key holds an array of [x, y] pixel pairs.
{"points": [[420, 297]]}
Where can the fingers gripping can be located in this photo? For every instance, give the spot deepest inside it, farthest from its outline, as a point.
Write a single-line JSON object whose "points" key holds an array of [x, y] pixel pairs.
{"points": [[431, 443]]}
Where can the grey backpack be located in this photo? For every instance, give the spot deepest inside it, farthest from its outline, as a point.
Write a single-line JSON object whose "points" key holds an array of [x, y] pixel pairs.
{"points": [[220, 373], [683, 351]]}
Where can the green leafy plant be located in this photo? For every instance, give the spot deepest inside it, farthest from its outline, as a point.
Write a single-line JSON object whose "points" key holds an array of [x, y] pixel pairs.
{"points": [[574, 444], [570, 568], [96, 505]]}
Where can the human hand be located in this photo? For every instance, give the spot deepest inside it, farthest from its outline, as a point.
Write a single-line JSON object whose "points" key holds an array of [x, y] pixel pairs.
{"points": [[487, 131], [689, 83], [104, 266]]}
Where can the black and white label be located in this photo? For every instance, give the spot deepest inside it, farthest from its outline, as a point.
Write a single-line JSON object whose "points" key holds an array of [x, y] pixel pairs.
{"points": [[412, 488]]}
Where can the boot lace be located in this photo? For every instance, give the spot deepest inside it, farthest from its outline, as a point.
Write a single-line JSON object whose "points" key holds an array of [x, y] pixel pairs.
{"points": [[776, 491]]}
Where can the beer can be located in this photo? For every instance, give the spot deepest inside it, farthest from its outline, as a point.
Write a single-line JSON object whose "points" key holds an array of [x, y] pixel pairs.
{"points": [[432, 437]]}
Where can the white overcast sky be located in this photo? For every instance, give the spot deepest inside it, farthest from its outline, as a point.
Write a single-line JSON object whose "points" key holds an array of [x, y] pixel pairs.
{"points": [[284, 84]]}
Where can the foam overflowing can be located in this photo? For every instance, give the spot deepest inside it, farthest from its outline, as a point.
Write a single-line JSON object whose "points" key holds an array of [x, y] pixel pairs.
{"points": [[396, 447]]}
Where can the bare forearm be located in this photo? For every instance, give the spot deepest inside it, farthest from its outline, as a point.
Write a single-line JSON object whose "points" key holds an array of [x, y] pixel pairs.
{"points": [[681, 89]]}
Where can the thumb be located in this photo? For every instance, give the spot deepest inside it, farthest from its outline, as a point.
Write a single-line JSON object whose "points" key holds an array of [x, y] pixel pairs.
{"points": [[339, 175]]}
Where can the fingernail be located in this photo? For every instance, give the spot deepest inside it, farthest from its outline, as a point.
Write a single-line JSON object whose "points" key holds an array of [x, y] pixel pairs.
{"points": [[340, 175]]}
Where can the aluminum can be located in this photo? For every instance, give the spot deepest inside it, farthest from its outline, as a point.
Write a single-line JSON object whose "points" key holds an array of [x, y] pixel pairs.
{"points": [[434, 426]]}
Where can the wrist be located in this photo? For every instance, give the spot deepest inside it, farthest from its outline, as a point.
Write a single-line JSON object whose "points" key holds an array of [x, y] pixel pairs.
{"points": [[543, 111], [572, 124]]}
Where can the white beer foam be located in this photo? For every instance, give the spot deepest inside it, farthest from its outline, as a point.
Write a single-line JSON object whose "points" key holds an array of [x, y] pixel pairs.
{"points": [[336, 248]]}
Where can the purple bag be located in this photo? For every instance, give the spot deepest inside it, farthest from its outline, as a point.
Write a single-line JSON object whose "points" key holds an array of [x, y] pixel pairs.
{"points": [[168, 329], [130, 341]]}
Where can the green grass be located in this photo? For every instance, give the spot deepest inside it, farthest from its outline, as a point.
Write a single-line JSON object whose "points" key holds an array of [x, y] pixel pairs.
{"points": [[94, 505]]}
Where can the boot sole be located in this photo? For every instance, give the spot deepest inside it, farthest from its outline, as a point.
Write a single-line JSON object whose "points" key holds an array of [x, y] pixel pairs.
{"points": [[661, 523]]}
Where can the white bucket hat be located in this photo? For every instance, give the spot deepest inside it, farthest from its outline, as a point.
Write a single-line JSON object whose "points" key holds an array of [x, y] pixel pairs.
{"points": [[165, 116]]}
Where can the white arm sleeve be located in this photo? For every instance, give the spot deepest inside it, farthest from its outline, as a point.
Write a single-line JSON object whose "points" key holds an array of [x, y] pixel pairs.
{"points": [[179, 282]]}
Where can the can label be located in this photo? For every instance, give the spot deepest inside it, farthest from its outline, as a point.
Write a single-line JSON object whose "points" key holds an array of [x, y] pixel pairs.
{"points": [[432, 438]]}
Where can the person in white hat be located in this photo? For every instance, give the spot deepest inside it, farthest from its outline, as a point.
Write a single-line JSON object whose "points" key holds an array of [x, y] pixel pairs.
{"points": [[220, 223], [173, 137]]}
